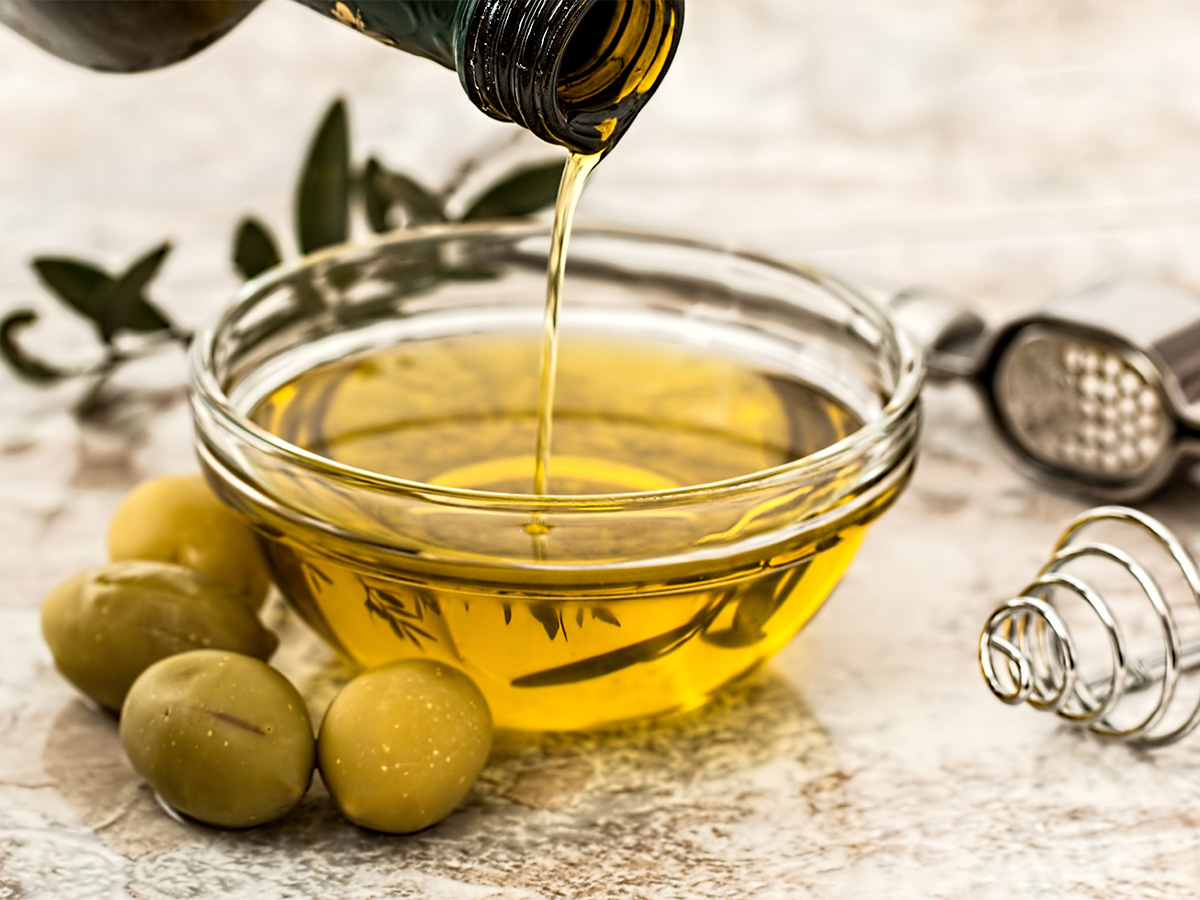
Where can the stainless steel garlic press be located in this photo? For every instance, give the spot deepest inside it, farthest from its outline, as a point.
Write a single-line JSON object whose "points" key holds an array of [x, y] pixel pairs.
{"points": [[1095, 392]]}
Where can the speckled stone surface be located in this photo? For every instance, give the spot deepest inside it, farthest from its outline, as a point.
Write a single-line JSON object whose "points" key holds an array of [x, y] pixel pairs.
{"points": [[1000, 151]]}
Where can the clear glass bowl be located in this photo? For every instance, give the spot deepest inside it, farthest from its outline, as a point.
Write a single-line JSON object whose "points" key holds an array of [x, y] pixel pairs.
{"points": [[634, 594]]}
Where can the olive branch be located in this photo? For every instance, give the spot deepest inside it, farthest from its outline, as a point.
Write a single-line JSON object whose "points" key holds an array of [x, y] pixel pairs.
{"points": [[331, 193]]}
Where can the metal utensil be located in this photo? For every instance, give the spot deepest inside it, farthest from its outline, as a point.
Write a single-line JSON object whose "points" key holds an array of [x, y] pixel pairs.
{"points": [[1029, 654], [1092, 393]]}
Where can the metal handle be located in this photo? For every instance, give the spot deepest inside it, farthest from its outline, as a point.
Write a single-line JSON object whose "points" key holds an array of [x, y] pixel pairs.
{"points": [[950, 335]]}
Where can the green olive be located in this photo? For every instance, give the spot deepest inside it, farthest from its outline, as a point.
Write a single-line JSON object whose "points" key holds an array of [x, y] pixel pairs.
{"points": [[178, 519], [106, 625], [402, 744], [221, 737]]}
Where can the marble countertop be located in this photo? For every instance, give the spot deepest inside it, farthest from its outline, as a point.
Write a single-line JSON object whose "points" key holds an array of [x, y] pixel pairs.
{"points": [[1001, 152]]}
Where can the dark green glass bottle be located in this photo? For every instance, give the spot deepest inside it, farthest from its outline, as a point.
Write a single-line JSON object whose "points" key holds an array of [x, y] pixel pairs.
{"points": [[574, 72]]}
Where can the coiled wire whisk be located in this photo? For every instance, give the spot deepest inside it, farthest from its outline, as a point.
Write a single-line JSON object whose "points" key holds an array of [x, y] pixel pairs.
{"points": [[1032, 641]]}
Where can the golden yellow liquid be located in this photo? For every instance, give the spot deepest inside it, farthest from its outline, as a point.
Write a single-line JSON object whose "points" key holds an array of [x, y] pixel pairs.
{"points": [[574, 178], [565, 619], [577, 627]]}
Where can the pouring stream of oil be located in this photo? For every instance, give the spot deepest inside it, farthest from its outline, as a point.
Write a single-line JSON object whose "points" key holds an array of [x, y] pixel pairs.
{"points": [[570, 189], [574, 177]]}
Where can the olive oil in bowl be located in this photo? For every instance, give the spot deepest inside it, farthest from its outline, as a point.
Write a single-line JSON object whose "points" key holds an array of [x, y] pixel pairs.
{"points": [[724, 429]]}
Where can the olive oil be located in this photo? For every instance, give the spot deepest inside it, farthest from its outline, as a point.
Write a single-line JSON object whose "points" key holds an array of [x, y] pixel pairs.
{"points": [[561, 626], [572, 626], [574, 178], [632, 415]]}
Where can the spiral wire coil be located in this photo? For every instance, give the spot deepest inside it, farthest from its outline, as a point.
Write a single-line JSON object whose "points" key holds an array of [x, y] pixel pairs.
{"points": [[1039, 655]]}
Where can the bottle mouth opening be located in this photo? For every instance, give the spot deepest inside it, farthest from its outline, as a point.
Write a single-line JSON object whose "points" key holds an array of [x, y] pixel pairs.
{"points": [[574, 72], [616, 55]]}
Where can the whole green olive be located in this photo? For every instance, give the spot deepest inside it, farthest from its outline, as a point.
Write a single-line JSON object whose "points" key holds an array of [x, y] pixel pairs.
{"points": [[221, 737], [106, 625], [402, 744], [178, 519]]}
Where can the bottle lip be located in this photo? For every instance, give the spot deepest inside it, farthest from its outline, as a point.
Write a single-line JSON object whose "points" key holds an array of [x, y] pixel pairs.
{"points": [[510, 64]]}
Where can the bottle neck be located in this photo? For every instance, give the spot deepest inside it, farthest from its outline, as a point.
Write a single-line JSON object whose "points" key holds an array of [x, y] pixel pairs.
{"points": [[574, 72], [421, 27]]}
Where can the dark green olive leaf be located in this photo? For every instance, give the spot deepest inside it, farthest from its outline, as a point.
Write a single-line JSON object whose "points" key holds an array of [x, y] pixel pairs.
{"points": [[608, 663], [308, 298], [92, 293], [28, 367], [306, 584], [98, 400], [430, 602], [624, 657], [604, 614], [126, 307], [254, 250], [755, 608], [400, 617], [323, 194], [524, 193], [549, 617], [343, 276], [376, 203], [752, 612], [385, 190], [79, 284]]}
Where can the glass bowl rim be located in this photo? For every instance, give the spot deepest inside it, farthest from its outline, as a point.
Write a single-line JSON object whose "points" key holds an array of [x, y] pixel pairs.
{"points": [[206, 391]]}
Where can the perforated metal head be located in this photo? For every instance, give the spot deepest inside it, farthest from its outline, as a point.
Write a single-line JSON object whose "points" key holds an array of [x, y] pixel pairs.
{"points": [[1093, 392], [1083, 406]]}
